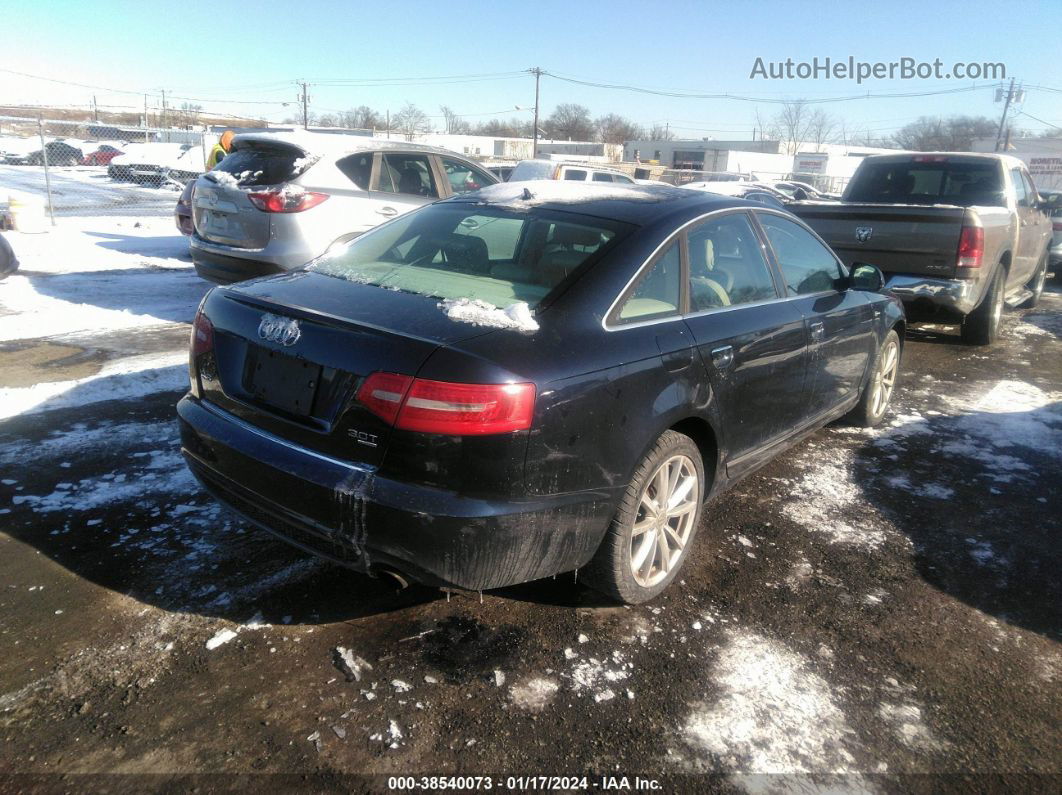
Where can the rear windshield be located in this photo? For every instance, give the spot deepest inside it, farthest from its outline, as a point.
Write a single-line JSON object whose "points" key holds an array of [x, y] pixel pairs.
{"points": [[258, 165], [471, 251], [930, 182]]}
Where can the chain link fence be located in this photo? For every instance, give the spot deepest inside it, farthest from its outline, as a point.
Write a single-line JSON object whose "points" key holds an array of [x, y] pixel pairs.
{"points": [[64, 169]]}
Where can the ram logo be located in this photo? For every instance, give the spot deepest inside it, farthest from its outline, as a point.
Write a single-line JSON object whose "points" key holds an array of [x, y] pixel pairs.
{"points": [[863, 233], [282, 330]]}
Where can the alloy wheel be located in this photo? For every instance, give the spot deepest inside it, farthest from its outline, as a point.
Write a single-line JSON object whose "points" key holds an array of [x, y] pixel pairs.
{"points": [[667, 508], [886, 378]]}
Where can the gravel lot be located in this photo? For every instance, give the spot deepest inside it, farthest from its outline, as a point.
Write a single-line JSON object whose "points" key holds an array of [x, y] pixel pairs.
{"points": [[878, 605]]}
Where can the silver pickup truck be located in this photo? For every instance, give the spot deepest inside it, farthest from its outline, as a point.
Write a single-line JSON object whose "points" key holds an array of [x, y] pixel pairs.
{"points": [[957, 235]]}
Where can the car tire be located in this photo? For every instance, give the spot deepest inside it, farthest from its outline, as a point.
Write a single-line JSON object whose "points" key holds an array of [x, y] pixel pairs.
{"points": [[1036, 285], [981, 327], [630, 566], [881, 386]]}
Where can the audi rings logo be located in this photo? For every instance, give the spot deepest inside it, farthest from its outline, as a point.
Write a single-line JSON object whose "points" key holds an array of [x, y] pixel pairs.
{"points": [[282, 330]]}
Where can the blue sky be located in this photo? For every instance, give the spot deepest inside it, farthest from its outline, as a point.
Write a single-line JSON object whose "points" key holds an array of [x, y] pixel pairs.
{"points": [[246, 56]]}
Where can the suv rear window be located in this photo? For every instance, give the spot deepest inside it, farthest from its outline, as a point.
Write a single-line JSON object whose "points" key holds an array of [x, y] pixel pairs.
{"points": [[476, 252], [930, 182], [262, 165]]}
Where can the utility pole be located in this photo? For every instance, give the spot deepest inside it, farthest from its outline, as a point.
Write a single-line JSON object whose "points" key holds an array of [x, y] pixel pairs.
{"points": [[388, 124], [95, 109], [44, 160], [1003, 118], [534, 126], [305, 107], [162, 121], [145, 119]]}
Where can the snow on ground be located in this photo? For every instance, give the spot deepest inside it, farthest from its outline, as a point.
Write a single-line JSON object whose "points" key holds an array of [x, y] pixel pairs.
{"points": [[774, 714], [120, 379]]}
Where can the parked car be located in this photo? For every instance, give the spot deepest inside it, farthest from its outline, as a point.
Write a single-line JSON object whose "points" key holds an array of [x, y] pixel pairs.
{"points": [[8, 260], [799, 191], [1054, 254], [156, 163], [502, 171], [28, 152], [103, 154], [182, 213], [752, 191], [957, 234], [576, 172], [277, 201], [530, 379]]}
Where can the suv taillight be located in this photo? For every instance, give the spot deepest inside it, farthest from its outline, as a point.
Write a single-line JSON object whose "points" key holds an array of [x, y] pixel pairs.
{"points": [[285, 200], [417, 404], [971, 247]]}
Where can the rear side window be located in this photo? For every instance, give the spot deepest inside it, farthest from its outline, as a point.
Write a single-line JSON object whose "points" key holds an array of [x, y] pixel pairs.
{"points": [[807, 265], [357, 168], [463, 250], [464, 178], [657, 292], [1020, 194], [575, 174], [260, 165], [599, 177], [932, 181], [408, 174], [727, 266]]}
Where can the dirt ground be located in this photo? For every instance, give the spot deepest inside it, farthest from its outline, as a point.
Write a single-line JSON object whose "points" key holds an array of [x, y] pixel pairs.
{"points": [[875, 610]]}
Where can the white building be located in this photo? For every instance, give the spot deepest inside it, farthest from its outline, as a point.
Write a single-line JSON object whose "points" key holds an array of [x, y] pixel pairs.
{"points": [[1042, 156]]}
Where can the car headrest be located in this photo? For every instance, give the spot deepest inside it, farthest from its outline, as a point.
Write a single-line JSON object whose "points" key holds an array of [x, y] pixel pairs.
{"points": [[575, 235]]}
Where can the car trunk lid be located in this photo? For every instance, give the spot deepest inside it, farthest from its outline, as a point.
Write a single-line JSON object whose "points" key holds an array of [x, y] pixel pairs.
{"points": [[222, 211], [291, 353]]}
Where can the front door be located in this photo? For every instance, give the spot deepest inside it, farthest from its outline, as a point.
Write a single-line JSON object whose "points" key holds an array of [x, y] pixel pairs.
{"points": [[839, 321]]}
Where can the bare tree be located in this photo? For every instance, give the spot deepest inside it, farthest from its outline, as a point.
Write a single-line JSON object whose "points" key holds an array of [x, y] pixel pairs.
{"points": [[498, 128], [953, 134], [454, 124], [411, 121], [615, 129], [187, 115], [793, 123], [660, 132], [820, 128], [570, 122], [360, 118]]}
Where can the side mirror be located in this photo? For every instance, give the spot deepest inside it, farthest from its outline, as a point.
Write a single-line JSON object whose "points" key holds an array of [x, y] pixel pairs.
{"points": [[866, 277]]}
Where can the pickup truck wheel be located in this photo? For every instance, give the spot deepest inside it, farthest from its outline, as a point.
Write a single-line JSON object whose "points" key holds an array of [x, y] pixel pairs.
{"points": [[1037, 284], [877, 394], [981, 327], [651, 534]]}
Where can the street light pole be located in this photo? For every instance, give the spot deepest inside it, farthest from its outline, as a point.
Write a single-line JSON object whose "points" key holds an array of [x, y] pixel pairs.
{"points": [[534, 127]]}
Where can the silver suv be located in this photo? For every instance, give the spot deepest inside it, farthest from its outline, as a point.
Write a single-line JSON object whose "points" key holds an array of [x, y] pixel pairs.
{"points": [[276, 201]]}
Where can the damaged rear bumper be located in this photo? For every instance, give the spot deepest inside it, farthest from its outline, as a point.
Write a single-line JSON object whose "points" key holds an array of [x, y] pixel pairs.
{"points": [[353, 516]]}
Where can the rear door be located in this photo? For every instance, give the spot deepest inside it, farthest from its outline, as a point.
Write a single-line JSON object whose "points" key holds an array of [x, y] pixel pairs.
{"points": [[752, 345], [402, 181], [221, 211], [839, 321]]}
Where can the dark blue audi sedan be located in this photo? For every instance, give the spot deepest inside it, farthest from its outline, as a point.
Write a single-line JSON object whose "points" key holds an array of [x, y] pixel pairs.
{"points": [[531, 379]]}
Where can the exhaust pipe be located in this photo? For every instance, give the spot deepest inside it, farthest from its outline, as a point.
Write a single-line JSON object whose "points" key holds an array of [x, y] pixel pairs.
{"points": [[396, 578]]}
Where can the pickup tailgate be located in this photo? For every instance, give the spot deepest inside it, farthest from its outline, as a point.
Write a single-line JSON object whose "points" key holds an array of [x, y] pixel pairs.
{"points": [[904, 238]]}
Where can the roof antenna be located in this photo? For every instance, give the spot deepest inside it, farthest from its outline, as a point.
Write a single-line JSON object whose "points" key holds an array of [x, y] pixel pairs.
{"points": [[528, 195]]}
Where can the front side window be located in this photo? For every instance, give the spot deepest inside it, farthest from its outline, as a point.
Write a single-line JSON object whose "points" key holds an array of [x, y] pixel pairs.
{"points": [[464, 178], [407, 174], [465, 250], [727, 266], [807, 265], [599, 177], [575, 174], [657, 292]]}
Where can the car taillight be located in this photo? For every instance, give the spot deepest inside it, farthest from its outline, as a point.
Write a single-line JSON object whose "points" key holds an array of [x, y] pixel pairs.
{"points": [[202, 334], [285, 200], [971, 247], [418, 404]]}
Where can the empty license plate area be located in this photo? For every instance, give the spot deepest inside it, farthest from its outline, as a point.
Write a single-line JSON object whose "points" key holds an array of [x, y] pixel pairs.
{"points": [[281, 381]]}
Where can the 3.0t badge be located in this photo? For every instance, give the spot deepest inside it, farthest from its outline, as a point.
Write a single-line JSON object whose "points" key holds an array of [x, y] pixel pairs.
{"points": [[282, 330]]}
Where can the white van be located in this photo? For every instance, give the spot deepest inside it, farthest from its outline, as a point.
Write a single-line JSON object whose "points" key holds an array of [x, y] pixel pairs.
{"points": [[577, 172]]}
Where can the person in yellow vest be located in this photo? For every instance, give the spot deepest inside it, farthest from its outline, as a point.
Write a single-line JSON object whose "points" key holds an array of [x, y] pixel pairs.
{"points": [[221, 148]]}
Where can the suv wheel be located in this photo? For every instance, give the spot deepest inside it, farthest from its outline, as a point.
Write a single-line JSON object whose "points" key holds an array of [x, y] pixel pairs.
{"points": [[650, 536], [981, 327], [878, 392]]}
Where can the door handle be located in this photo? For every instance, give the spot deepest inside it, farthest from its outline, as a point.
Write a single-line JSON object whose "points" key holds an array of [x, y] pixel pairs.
{"points": [[390, 212], [818, 331], [723, 357]]}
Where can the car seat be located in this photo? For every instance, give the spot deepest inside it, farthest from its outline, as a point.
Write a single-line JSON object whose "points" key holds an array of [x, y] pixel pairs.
{"points": [[409, 181], [467, 254]]}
